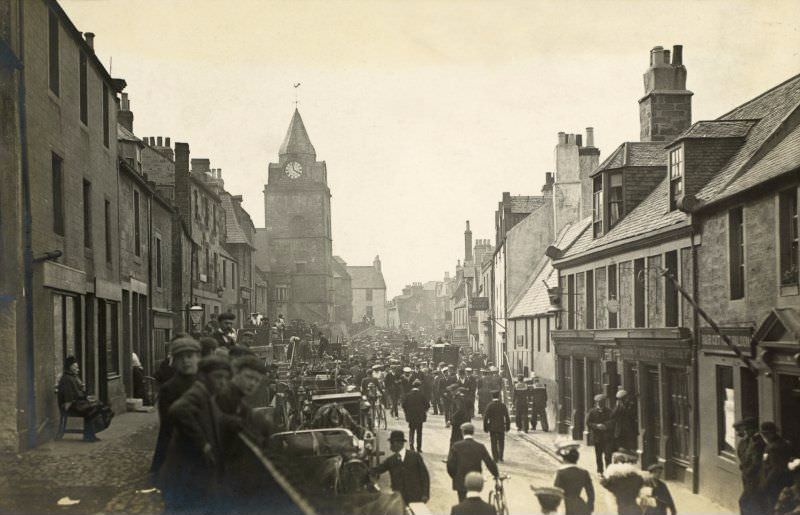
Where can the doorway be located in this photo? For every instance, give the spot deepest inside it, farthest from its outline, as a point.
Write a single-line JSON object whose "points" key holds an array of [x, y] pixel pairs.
{"points": [[789, 406], [651, 415]]}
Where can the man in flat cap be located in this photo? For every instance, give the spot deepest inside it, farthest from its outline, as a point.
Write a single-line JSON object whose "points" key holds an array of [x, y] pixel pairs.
{"points": [[407, 470], [193, 467], [467, 456], [597, 422], [226, 335], [625, 422], [415, 407], [185, 353], [750, 450]]}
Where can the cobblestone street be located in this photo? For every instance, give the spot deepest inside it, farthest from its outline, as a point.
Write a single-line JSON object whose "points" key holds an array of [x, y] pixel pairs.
{"points": [[106, 477]]}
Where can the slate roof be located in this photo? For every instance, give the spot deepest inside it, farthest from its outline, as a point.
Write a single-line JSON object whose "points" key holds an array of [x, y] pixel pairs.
{"points": [[297, 140], [526, 204], [124, 134], [366, 277], [235, 233], [634, 153], [534, 299], [771, 108], [718, 129]]}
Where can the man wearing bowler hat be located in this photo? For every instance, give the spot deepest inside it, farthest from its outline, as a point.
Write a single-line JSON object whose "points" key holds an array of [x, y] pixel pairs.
{"points": [[415, 407], [625, 422], [407, 470]]}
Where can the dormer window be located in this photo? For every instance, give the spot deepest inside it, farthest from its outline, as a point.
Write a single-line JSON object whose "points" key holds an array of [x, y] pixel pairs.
{"points": [[597, 203], [675, 177], [615, 206]]}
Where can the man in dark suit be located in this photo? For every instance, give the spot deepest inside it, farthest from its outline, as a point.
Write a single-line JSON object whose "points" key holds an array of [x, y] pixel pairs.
{"points": [[408, 472], [597, 421], [466, 456], [497, 423], [473, 504], [415, 406]]}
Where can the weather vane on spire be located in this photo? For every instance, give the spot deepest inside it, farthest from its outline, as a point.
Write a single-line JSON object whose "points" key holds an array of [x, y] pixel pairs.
{"points": [[296, 88]]}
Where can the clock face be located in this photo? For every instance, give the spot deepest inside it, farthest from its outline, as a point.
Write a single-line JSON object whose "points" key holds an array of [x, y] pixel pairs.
{"points": [[293, 170]]}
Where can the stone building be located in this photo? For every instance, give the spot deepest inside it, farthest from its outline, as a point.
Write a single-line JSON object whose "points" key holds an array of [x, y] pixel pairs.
{"points": [[415, 307], [240, 243], [369, 293], [624, 325], [62, 180], [343, 297], [298, 238]]}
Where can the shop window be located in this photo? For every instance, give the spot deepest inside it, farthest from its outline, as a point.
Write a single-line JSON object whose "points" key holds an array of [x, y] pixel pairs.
{"points": [[788, 236], [726, 410], [639, 283], [107, 331], [670, 290], [615, 200], [736, 252]]}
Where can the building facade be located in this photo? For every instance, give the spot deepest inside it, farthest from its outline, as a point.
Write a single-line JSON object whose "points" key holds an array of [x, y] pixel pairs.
{"points": [[369, 293]]}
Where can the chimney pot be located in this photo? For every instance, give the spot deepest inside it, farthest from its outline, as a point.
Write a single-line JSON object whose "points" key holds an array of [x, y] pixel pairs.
{"points": [[562, 138], [89, 37], [666, 57], [166, 142], [158, 141], [677, 55], [589, 136], [124, 102], [579, 140]]}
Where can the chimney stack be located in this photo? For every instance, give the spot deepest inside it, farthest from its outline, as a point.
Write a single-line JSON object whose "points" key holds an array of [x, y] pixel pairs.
{"points": [[467, 244], [166, 142], [124, 115], [589, 136], [377, 263], [89, 37], [181, 159], [666, 108], [159, 142], [547, 188]]}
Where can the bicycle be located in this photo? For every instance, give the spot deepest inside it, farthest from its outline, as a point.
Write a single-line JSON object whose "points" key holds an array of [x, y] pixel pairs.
{"points": [[497, 497], [378, 412]]}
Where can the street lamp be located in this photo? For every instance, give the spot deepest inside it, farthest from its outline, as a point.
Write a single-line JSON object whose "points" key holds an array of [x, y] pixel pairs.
{"points": [[195, 318]]}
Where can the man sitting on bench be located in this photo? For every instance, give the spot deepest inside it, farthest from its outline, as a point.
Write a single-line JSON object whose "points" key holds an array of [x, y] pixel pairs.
{"points": [[74, 402]]}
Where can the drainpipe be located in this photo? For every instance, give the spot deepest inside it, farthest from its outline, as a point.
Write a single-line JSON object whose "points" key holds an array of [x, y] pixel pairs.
{"points": [[27, 244], [695, 372], [150, 326]]}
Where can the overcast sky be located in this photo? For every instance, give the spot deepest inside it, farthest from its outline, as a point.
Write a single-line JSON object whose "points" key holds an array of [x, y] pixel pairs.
{"points": [[425, 112]]}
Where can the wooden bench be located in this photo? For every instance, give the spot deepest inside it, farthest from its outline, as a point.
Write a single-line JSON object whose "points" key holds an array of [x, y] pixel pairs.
{"points": [[64, 416]]}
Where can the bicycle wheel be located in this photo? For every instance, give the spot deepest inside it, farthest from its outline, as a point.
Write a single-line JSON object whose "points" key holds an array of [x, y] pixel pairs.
{"points": [[492, 499], [502, 506], [382, 415]]}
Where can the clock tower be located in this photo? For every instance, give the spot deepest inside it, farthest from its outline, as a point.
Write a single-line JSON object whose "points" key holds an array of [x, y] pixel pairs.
{"points": [[297, 204]]}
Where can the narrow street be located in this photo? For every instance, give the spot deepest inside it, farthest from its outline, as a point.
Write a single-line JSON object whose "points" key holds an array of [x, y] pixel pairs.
{"points": [[524, 462]]}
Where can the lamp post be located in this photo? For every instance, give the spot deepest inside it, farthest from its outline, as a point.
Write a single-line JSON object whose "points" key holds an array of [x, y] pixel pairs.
{"points": [[195, 318]]}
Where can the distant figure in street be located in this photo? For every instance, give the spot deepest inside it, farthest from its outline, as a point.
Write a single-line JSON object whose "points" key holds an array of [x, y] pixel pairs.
{"points": [[625, 424], [280, 325], [774, 475], [407, 470], [192, 470], [750, 450], [185, 352], [661, 496], [497, 423], [467, 456], [521, 404], [323, 345], [415, 407], [538, 395], [226, 335], [602, 439], [473, 504], [459, 416], [573, 480], [139, 390], [549, 498]]}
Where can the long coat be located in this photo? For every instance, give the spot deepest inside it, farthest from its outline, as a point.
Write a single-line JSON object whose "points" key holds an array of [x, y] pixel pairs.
{"points": [[415, 406], [594, 419], [409, 477], [190, 476], [573, 480], [466, 456]]}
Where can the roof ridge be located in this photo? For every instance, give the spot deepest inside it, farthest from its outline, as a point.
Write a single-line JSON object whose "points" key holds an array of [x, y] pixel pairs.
{"points": [[765, 145]]}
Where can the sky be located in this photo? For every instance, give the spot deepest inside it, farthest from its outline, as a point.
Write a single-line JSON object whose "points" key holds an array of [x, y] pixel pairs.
{"points": [[425, 112]]}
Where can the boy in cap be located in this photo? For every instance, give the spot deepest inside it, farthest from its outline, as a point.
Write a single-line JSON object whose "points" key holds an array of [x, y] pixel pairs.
{"points": [[660, 494], [407, 470], [185, 353]]}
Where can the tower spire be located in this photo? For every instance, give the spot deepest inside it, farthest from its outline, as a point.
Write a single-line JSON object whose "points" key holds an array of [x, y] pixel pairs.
{"points": [[297, 140]]}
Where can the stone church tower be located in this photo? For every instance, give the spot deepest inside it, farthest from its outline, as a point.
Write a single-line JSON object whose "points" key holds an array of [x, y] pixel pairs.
{"points": [[297, 205]]}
